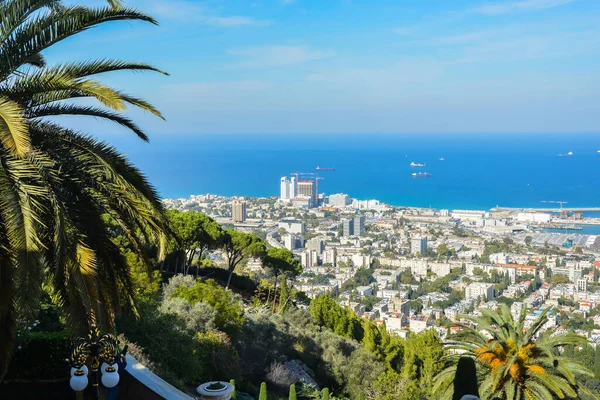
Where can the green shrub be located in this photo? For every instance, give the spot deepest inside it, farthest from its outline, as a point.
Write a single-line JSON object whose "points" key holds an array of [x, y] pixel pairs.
{"points": [[181, 357], [219, 359], [167, 342], [42, 356], [229, 310]]}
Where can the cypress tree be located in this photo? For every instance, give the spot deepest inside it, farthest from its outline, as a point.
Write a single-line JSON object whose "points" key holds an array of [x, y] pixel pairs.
{"points": [[370, 338], [234, 393], [284, 294], [597, 362], [325, 394], [292, 392], [263, 391]]}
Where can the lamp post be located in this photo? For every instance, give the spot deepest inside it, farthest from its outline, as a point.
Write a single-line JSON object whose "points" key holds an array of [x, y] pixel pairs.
{"points": [[101, 353]]}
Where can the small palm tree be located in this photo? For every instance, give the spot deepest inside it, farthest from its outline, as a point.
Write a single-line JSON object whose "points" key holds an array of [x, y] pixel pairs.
{"points": [[511, 363], [58, 186]]}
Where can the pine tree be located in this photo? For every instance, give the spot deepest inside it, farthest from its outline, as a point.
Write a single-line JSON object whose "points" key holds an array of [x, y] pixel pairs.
{"points": [[234, 393], [292, 392], [325, 394], [263, 391]]}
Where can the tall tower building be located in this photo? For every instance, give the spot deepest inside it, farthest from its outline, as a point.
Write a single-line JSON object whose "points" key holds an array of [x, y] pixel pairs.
{"points": [[238, 211], [359, 225], [348, 228], [284, 193], [418, 245], [287, 189]]}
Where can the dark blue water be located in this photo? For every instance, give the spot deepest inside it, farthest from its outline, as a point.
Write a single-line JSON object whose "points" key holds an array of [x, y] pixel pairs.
{"points": [[480, 171]]}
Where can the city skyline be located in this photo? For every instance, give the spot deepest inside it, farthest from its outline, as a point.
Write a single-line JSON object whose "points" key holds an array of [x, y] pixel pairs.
{"points": [[283, 66]]}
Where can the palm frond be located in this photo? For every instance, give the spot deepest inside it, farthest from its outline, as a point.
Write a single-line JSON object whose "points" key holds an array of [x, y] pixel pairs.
{"points": [[37, 34], [13, 128], [68, 109], [88, 68]]}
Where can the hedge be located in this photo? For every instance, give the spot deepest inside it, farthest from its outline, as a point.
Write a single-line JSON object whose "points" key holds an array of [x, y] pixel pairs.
{"points": [[42, 356]]}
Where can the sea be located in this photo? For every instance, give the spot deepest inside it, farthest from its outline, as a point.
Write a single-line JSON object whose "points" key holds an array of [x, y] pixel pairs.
{"points": [[478, 171]]}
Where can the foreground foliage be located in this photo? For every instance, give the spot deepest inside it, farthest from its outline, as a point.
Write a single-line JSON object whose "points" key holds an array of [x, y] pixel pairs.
{"points": [[56, 184], [512, 364]]}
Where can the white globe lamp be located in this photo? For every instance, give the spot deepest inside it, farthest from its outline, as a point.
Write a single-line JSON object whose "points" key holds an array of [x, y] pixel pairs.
{"points": [[110, 377], [79, 381]]}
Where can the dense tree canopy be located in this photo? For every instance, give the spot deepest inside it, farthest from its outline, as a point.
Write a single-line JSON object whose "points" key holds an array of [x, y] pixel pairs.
{"points": [[197, 232]]}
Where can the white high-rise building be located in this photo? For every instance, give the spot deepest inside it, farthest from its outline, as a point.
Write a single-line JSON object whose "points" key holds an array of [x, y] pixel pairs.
{"points": [[287, 189], [338, 200], [418, 245], [293, 242]]}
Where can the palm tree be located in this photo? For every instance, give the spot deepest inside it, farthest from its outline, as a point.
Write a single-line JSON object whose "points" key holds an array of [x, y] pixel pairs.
{"points": [[511, 364], [57, 186]]}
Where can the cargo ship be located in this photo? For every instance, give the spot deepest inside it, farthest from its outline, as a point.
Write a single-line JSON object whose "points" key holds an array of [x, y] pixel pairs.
{"points": [[421, 175]]}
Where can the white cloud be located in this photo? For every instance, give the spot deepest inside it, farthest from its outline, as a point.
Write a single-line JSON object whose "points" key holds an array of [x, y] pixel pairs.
{"points": [[276, 56], [186, 11], [519, 6]]}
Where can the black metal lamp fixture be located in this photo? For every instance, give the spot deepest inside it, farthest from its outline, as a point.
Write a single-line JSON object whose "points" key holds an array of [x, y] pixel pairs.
{"points": [[102, 355]]}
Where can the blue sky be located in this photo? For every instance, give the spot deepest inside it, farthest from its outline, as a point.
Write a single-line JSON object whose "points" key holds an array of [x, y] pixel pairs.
{"points": [[283, 66]]}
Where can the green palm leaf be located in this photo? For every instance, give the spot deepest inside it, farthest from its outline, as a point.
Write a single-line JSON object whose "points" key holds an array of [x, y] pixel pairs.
{"points": [[13, 128], [57, 186], [512, 364]]}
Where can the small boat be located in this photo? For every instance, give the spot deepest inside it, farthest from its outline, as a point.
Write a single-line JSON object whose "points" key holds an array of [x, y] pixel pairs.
{"points": [[421, 175], [325, 169], [414, 164], [569, 154], [442, 159]]}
